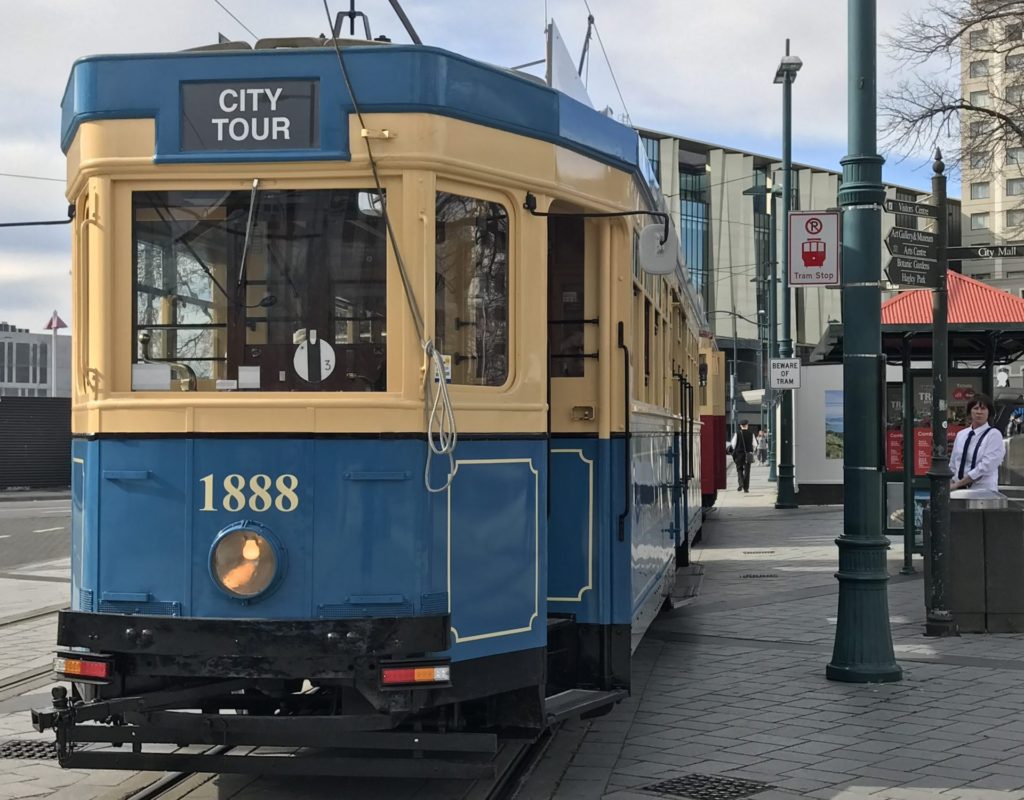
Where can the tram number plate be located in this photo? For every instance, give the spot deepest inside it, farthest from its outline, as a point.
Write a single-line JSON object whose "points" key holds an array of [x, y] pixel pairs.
{"points": [[258, 493]]}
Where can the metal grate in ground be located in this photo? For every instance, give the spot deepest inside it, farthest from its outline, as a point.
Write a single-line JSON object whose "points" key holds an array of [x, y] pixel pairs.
{"points": [[758, 552], [707, 787], [759, 575], [28, 748]]}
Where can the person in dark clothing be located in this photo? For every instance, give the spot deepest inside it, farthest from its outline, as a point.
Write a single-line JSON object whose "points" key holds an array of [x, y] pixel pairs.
{"points": [[743, 455]]}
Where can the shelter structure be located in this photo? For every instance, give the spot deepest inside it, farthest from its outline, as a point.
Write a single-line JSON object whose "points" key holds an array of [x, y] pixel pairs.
{"points": [[986, 329]]}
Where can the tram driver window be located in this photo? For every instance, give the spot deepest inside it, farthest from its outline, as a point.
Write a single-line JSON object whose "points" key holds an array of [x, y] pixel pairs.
{"points": [[471, 288], [303, 310]]}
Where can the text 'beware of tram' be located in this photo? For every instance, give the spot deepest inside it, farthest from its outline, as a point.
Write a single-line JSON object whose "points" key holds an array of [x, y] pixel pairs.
{"points": [[250, 115]]}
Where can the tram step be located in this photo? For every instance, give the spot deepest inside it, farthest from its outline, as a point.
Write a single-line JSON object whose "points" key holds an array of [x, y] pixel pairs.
{"points": [[580, 703]]}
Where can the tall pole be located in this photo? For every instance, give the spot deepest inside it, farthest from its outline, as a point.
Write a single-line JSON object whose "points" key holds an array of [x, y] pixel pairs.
{"points": [[773, 351], [863, 650], [939, 621], [786, 496]]}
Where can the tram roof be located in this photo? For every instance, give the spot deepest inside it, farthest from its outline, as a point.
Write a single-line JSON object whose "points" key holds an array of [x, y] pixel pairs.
{"points": [[394, 78]]}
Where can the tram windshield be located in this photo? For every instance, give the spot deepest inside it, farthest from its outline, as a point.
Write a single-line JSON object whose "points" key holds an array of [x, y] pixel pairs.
{"points": [[306, 311]]}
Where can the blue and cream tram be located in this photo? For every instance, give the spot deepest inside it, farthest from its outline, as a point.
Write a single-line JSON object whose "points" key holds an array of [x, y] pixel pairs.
{"points": [[381, 426]]}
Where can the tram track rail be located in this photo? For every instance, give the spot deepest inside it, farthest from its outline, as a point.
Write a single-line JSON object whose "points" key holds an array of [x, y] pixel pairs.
{"points": [[514, 763]]}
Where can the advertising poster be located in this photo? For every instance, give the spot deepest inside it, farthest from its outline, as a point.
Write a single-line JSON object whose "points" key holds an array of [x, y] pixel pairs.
{"points": [[834, 424]]}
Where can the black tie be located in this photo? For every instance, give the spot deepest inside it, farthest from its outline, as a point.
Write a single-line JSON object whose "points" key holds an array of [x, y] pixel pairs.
{"points": [[963, 455]]}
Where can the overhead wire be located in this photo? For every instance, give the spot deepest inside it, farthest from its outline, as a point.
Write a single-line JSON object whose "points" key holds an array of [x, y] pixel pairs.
{"points": [[236, 19], [609, 63], [31, 177], [442, 433]]}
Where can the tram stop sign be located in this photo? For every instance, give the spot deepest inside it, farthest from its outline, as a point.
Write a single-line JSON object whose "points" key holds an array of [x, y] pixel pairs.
{"points": [[814, 248]]}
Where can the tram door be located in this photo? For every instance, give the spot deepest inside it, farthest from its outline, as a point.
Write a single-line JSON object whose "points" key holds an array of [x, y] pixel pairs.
{"points": [[574, 462]]}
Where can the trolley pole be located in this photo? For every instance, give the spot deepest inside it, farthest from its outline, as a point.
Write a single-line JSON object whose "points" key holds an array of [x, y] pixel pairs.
{"points": [[939, 621], [863, 650], [786, 74]]}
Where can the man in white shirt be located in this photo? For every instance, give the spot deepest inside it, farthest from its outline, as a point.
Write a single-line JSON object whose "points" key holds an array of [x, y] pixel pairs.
{"points": [[978, 450]]}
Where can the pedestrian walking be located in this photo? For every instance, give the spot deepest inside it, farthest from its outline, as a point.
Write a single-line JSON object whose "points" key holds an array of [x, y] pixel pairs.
{"points": [[761, 446], [743, 455]]}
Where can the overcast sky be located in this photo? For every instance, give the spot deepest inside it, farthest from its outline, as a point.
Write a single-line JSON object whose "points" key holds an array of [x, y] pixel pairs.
{"points": [[698, 69]]}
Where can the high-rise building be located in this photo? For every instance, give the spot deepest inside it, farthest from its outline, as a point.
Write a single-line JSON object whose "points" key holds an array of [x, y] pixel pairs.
{"points": [[26, 363], [992, 168]]}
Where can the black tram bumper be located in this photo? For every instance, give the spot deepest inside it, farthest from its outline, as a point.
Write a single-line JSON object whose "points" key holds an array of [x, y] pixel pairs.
{"points": [[162, 666], [190, 647]]}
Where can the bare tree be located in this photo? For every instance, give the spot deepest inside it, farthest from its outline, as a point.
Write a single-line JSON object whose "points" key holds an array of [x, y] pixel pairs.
{"points": [[940, 47]]}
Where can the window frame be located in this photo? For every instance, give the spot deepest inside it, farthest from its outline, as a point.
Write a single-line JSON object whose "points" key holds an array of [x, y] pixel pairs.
{"points": [[487, 194], [124, 348], [981, 196], [978, 216]]}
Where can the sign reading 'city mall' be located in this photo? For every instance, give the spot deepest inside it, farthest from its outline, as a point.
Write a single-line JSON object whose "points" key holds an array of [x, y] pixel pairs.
{"points": [[814, 248]]}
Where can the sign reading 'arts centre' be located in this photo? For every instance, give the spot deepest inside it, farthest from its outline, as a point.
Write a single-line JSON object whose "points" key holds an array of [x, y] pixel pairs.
{"points": [[250, 115]]}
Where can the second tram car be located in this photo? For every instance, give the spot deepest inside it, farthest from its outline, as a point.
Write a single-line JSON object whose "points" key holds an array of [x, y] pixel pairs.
{"points": [[385, 440]]}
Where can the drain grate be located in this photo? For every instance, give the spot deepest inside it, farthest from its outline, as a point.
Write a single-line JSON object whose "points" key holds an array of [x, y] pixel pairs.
{"points": [[28, 748], [707, 787], [758, 552], [759, 575]]}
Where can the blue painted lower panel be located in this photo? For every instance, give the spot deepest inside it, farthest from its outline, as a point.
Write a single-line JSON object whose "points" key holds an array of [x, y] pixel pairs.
{"points": [[358, 533]]}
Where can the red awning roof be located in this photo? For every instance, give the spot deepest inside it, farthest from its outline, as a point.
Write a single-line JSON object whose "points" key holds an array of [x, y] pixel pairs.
{"points": [[970, 301]]}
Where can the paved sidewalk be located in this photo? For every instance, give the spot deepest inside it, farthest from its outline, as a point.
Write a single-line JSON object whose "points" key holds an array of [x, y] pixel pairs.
{"points": [[733, 685]]}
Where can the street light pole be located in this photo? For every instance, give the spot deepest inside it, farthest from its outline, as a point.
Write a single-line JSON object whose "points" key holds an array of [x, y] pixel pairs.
{"points": [[773, 332], [863, 651], [786, 74], [771, 277]]}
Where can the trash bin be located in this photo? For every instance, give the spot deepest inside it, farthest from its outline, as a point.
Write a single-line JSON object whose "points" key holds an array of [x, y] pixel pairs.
{"points": [[985, 592]]}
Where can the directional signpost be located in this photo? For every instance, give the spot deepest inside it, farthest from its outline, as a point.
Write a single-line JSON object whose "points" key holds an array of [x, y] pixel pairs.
{"points": [[913, 263], [980, 252], [914, 209]]}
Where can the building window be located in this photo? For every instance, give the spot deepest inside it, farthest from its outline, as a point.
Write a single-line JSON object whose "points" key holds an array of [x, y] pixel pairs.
{"points": [[1014, 62], [979, 190], [981, 276], [979, 69], [1015, 155], [980, 159], [43, 363], [695, 216], [22, 363], [471, 284], [979, 221], [981, 127], [653, 149], [1014, 94], [1014, 218], [978, 38], [906, 220], [1012, 32], [1015, 186], [981, 99]]}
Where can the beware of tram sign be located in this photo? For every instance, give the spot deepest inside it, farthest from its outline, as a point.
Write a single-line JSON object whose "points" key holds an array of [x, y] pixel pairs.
{"points": [[814, 248], [785, 373]]}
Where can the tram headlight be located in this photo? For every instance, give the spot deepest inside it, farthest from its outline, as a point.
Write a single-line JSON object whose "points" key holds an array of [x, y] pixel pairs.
{"points": [[244, 562]]}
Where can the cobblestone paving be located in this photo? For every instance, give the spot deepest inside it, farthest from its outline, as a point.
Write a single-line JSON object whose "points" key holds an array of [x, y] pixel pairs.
{"points": [[733, 684]]}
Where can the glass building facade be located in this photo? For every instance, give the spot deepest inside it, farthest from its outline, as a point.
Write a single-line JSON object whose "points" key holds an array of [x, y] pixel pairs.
{"points": [[695, 216]]}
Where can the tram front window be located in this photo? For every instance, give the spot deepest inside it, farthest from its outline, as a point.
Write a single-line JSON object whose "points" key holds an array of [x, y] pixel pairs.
{"points": [[306, 312]]}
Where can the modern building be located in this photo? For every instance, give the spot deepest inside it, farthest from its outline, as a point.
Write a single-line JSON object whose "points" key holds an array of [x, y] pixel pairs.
{"points": [[992, 168], [26, 363], [725, 219]]}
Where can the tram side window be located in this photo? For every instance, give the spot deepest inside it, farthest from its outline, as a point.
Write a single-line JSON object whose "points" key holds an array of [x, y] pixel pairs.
{"points": [[471, 288], [565, 296], [313, 273]]}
